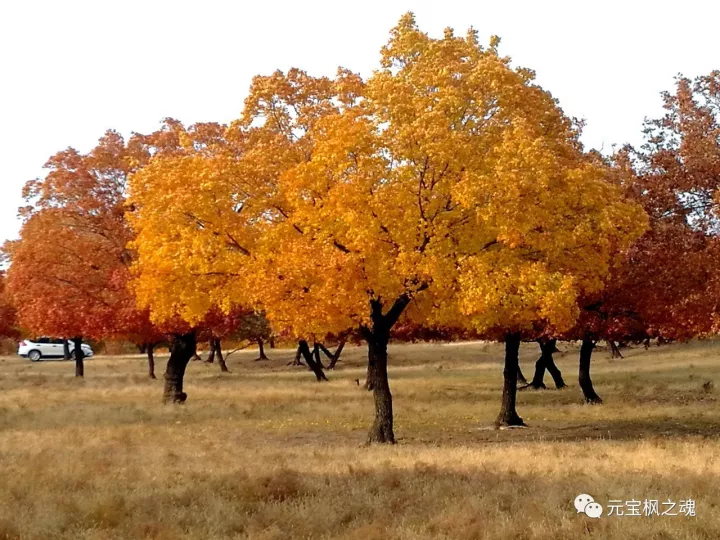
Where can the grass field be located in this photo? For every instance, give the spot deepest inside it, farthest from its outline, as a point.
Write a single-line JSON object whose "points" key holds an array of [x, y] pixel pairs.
{"points": [[266, 452]]}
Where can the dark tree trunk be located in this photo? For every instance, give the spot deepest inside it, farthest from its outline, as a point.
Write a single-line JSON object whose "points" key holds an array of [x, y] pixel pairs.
{"points": [[370, 376], [298, 357], [334, 357], [304, 349], [142, 347], [316, 354], [508, 415], [182, 349], [382, 428], [337, 353], [150, 348], [520, 377], [548, 351], [615, 350], [211, 351], [272, 342], [221, 360], [584, 372], [377, 338], [79, 356], [261, 349], [66, 349], [538, 380], [547, 348]]}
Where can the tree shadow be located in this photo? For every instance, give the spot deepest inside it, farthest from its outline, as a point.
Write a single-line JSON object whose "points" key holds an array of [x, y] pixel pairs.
{"points": [[554, 431]]}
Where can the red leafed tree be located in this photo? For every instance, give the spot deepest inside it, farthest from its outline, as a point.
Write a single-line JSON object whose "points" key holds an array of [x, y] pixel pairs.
{"points": [[8, 322], [667, 285], [69, 269], [679, 183], [218, 326]]}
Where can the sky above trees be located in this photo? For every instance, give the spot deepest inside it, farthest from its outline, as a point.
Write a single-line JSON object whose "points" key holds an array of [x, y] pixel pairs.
{"points": [[71, 70]]}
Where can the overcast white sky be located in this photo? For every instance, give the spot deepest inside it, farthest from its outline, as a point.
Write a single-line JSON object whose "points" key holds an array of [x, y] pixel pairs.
{"points": [[70, 69]]}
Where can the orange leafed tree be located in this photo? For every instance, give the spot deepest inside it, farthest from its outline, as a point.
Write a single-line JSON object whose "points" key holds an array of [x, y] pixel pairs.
{"points": [[447, 187]]}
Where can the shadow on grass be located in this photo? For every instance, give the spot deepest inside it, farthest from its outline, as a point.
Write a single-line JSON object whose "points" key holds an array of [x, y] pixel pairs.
{"points": [[553, 431]]}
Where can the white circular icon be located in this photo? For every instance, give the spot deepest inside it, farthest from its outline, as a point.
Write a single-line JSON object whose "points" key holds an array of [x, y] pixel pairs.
{"points": [[581, 501], [593, 510]]}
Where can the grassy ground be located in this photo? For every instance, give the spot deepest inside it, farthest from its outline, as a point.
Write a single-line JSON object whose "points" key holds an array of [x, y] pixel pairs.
{"points": [[265, 452]]}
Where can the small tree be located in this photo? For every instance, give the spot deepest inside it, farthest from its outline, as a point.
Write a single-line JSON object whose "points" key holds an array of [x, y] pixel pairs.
{"points": [[237, 324], [254, 327]]}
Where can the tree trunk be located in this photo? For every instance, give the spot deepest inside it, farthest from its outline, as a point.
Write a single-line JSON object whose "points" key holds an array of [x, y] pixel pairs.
{"points": [[508, 415], [520, 377], [182, 349], [382, 428], [261, 349], [316, 355], [66, 349], [211, 351], [334, 357], [317, 369], [584, 372], [538, 380], [377, 338], [337, 353], [272, 342], [221, 360], [150, 348], [79, 356], [615, 350], [555, 373], [298, 355], [370, 376], [547, 348]]}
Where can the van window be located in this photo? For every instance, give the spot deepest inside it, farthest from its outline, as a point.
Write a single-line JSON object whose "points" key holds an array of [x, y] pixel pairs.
{"points": [[43, 340]]}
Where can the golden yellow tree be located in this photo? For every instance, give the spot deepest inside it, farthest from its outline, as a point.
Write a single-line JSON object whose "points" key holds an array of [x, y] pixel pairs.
{"points": [[447, 187]]}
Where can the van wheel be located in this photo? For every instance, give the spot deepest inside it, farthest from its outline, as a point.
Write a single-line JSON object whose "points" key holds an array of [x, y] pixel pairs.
{"points": [[34, 355]]}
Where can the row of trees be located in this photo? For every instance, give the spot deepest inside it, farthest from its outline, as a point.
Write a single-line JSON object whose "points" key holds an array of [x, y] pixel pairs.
{"points": [[447, 194], [70, 269]]}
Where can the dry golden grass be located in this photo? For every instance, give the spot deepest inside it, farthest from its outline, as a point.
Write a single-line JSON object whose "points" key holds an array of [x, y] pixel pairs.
{"points": [[265, 452]]}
